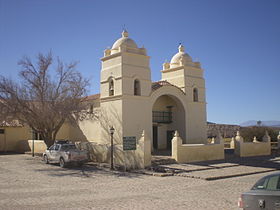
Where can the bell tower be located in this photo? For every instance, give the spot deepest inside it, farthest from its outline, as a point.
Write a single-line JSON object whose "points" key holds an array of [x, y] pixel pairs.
{"points": [[188, 76], [125, 69], [185, 74], [125, 87]]}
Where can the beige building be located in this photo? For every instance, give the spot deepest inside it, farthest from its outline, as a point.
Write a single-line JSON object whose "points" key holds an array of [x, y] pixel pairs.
{"points": [[14, 136], [131, 102], [11, 134], [169, 114]]}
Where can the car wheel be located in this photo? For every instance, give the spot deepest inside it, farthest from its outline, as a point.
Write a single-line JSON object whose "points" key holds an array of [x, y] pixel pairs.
{"points": [[46, 160], [62, 163]]}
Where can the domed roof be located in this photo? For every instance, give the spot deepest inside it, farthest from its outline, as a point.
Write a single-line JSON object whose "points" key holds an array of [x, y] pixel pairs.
{"points": [[181, 56], [124, 41]]}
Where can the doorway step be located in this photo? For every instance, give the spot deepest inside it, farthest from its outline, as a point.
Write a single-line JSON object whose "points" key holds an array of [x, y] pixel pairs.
{"points": [[162, 160]]}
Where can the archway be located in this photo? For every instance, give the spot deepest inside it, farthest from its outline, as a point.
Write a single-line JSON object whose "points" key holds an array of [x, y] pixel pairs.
{"points": [[168, 115]]}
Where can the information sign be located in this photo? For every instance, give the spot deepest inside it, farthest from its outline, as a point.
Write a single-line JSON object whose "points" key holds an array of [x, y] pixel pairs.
{"points": [[129, 143]]}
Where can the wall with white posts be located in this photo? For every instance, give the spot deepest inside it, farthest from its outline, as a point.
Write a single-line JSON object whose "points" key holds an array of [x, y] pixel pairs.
{"points": [[255, 148], [187, 153]]}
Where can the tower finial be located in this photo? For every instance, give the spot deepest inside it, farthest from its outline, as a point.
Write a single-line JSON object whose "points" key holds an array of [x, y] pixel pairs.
{"points": [[181, 48], [124, 33]]}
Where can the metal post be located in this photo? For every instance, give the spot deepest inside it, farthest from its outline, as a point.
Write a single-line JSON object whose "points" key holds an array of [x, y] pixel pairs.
{"points": [[112, 153], [32, 147], [112, 147]]}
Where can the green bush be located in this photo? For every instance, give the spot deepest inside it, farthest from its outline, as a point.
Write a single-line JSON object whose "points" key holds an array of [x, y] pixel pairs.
{"points": [[248, 133]]}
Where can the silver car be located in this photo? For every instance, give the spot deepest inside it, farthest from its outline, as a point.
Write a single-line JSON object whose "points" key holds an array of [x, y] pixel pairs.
{"points": [[265, 194], [65, 154]]}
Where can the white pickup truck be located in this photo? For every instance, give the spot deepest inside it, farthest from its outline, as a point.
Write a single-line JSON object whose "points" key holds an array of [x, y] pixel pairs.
{"points": [[65, 154]]}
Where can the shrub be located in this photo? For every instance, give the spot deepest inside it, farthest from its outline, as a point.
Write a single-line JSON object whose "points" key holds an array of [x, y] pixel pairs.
{"points": [[248, 133]]}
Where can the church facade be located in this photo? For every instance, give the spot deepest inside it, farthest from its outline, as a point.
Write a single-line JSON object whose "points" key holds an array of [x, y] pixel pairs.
{"points": [[130, 102], [149, 112], [147, 116]]}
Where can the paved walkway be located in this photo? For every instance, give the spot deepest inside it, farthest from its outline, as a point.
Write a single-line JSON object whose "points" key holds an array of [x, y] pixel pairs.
{"points": [[212, 170], [28, 183]]}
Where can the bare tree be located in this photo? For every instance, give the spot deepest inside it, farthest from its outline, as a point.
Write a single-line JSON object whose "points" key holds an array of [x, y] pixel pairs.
{"points": [[44, 99]]}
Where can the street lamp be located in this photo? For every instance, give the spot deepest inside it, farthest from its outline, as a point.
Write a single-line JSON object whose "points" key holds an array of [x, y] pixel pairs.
{"points": [[112, 130], [33, 147]]}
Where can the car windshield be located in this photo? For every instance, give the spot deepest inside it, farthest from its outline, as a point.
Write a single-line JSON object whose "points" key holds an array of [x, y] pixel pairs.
{"points": [[68, 147]]}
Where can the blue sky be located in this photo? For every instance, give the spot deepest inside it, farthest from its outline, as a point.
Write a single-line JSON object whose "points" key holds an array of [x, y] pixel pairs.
{"points": [[236, 41]]}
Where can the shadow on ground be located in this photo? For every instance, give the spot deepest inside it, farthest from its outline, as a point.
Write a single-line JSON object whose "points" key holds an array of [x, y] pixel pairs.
{"points": [[88, 170], [231, 166], [10, 153]]}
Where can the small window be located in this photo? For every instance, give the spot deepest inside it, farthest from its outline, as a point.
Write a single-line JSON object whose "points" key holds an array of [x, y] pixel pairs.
{"points": [[260, 185], [137, 88], [111, 87], [56, 147], [51, 147], [272, 183], [2, 131], [195, 95], [269, 183], [68, 147]]}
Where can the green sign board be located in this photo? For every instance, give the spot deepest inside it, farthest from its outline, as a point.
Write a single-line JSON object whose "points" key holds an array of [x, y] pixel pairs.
{"points": [[129, 143]]}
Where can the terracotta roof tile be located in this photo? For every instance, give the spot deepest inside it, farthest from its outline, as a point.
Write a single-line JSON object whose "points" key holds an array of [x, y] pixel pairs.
{"points": [[159, 84], [92, 97]]}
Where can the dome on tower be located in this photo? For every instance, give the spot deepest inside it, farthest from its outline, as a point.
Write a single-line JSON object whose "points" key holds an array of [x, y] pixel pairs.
{"points": [[181, 56], [124, 41]]}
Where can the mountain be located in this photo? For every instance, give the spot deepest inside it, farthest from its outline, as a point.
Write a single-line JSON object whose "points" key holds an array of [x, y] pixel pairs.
{"points": [[270, 123]]}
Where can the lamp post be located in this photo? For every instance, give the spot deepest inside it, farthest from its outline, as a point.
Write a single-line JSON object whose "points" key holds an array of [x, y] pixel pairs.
{"points": [[112, 130], [32, 147]]}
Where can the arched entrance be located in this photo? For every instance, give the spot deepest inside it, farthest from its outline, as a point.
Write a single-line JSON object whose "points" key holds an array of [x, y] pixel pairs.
{"points": [[168, 115]]}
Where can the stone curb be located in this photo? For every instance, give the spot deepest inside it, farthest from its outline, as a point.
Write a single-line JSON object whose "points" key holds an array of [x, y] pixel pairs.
{"points": [[210, 178]]}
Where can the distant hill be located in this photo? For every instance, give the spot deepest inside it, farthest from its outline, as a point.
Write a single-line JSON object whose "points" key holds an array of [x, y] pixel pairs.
{"points": [[271, 123]]}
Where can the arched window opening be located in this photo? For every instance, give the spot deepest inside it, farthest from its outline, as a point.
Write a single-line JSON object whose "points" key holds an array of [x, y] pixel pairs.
{"points": [[111, 87], [195, 95], [137, 88]]}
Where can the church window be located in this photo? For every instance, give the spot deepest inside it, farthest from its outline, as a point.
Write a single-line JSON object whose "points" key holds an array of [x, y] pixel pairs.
{"points": [[195, 95], [137, 89], [111, 87]]}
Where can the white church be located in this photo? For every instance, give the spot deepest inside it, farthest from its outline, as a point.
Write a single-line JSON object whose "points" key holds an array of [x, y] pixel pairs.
{"points": [[147, 116], [130, 102]]}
